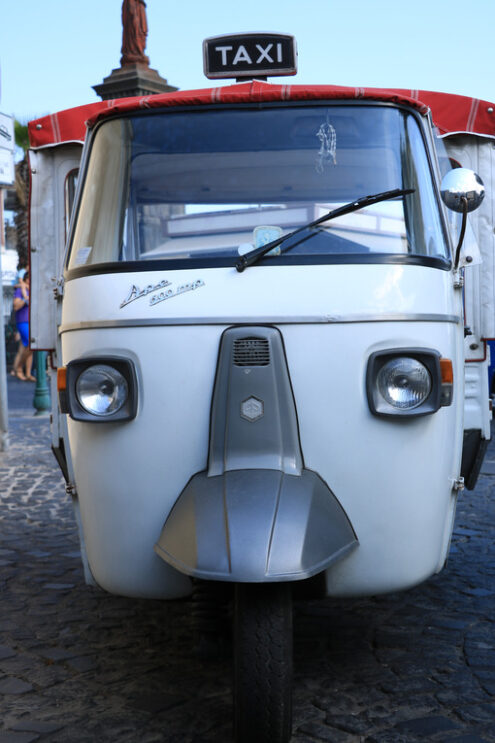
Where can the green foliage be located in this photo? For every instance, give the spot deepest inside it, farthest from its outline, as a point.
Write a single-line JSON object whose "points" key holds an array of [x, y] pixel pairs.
{"points": [[21, 135]]}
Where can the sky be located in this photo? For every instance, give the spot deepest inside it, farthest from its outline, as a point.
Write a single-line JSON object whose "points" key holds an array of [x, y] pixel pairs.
{"points": [[53, 51]]}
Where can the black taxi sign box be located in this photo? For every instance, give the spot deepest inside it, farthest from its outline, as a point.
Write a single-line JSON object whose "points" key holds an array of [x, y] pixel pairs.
{"points": [[249, 55]]}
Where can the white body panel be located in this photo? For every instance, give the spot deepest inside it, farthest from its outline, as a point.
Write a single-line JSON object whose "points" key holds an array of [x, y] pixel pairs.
{"points": [[48, 226], [336, 293], [478, 153], [477, 413], [393, 478]]}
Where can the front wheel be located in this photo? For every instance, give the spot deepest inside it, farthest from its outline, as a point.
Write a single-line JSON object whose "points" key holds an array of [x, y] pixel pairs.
{"points": [[262, 663]]}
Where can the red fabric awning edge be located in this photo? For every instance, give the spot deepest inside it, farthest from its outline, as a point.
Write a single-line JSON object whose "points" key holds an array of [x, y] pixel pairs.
{"points": [[451, 113]]}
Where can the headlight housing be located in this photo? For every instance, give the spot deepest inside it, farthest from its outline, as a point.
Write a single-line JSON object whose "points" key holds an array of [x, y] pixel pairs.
{"points": [[405, 382], [100, 390]]}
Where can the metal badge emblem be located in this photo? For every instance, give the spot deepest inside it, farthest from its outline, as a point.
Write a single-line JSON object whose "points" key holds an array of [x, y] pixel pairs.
{"points": [[252, 409], [160, 292]]}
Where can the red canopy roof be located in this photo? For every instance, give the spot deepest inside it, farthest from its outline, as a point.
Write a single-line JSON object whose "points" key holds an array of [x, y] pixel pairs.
{"points": [[451, 113]]}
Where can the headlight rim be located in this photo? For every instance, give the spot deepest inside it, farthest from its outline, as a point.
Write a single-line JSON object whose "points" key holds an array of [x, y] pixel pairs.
{"points": [[430, 358]]}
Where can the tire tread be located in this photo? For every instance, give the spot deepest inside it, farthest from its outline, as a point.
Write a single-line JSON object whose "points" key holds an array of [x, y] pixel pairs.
{"points": [[263, 663]]}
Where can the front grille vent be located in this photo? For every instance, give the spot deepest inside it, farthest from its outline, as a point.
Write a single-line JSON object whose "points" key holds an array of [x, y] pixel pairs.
{"points": [[251, 352]]}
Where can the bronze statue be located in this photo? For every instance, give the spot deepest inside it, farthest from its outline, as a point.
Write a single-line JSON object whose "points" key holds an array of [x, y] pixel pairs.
{"points": [[135, 30]]}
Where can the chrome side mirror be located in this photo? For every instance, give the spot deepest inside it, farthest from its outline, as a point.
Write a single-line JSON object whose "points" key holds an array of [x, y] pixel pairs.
{"points": [[462, 190]]}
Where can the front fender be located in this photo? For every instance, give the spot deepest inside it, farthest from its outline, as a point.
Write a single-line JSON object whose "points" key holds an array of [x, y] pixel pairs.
{"points": [[255, 526]]}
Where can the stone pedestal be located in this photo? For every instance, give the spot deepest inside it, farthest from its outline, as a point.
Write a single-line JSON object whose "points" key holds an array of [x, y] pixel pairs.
{"points": [[131, 80]]}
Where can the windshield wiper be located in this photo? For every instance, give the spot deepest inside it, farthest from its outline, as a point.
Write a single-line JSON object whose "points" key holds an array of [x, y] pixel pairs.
{"points": [[252, 256]]}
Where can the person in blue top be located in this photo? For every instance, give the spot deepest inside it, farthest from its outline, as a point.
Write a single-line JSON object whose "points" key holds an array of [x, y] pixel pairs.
{"points": [[24, 360]]}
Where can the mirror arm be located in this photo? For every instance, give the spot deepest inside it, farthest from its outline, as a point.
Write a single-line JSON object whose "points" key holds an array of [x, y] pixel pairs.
{"points": [[464, 202]]}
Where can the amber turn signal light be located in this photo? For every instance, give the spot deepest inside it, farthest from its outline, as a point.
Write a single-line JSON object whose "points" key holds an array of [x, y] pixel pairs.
{"points": [[447, 376], [446, 371], [62, 378]]}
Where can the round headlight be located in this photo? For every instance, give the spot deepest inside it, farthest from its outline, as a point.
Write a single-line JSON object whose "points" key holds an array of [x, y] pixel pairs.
{"points": [[404, 383], [101, 390]]}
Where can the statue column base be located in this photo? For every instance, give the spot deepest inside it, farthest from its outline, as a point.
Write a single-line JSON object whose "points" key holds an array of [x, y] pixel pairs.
{"points": [[132, 80]]}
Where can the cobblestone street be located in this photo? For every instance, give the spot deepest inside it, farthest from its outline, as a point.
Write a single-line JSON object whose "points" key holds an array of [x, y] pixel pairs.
{"points": [[81, 666]]}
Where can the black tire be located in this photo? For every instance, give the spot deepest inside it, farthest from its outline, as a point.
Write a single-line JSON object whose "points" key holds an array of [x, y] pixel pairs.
{"points": [[262, 663]]}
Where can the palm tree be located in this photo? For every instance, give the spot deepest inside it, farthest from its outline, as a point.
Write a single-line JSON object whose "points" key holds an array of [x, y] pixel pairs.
{"points": [[22, 193]]}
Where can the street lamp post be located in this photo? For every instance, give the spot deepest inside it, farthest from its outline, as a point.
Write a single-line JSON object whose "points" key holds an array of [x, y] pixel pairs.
{"points": [[41, 400]]}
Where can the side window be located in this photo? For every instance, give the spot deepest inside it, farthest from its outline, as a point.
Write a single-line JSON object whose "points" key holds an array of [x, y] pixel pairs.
{"points": [[70, 191], [446, 163], [425, 230]]}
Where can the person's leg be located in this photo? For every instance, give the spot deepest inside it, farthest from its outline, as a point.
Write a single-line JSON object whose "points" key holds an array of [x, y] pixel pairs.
{"points": [[17, 360], [23, 328], [29, 364], [22, 361]]}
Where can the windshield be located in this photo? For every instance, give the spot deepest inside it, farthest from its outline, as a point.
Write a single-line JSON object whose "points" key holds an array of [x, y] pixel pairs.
{"points": [[214, 184]]}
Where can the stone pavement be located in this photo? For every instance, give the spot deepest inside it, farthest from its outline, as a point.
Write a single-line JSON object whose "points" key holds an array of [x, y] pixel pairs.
{"points": [[80, 666]]}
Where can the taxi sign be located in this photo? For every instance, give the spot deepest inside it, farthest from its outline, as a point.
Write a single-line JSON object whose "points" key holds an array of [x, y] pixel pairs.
{"points": [[249, 55]]}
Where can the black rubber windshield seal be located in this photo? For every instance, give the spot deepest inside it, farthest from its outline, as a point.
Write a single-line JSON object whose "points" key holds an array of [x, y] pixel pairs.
{"points": [[185, 264]]}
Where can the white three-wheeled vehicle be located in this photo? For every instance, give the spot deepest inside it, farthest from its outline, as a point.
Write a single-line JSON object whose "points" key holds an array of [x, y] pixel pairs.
{"points": [[259, 325]]}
